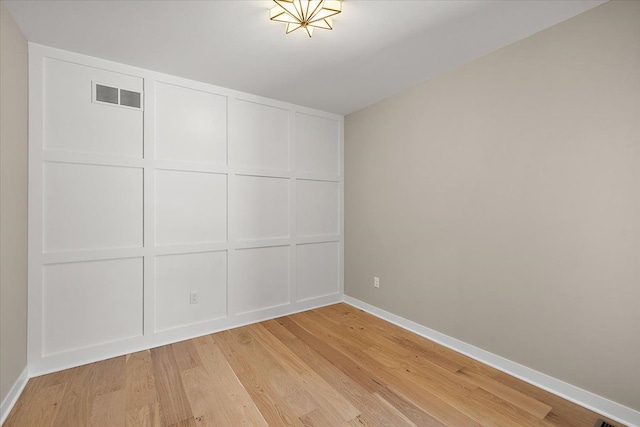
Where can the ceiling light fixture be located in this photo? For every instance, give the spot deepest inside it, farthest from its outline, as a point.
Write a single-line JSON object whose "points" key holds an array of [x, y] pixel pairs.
{"points": [[307, 14]]}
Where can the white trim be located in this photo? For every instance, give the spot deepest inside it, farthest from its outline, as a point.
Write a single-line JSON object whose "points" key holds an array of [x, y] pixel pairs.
{"points": [[342, 206], [34, 229], [599, 404], [13, 395]]}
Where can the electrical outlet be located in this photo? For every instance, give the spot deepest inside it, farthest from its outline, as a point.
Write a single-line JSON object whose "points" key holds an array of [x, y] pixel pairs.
{"points": [[193, 297], [376, 282]]}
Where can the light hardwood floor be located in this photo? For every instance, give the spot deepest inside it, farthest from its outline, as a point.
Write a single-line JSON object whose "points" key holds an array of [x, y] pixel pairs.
{"points": [[333, 366]]}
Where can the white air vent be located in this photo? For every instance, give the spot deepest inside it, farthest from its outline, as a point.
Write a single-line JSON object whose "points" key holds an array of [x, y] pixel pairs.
{"points": [[103, 94]]}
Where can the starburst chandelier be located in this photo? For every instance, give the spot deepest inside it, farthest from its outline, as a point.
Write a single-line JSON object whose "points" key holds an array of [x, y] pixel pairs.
{"points": [[307, 14]]}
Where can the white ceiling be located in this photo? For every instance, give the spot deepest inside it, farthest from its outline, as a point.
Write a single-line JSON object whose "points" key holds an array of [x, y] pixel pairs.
{"points": [[376, 49]]}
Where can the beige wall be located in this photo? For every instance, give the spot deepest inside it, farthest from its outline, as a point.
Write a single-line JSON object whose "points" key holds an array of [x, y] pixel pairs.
{"points": [[500, 203], [13, 201]]}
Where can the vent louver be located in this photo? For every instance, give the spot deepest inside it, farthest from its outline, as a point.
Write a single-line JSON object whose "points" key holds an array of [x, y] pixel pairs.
{"points": [[603, 423], [129, 98], [106, 94], [117, 96]]}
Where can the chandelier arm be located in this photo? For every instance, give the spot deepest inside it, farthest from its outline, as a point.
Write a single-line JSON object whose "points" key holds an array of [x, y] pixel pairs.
{"points": [[318, 8], [322, 14], [297, 18]]}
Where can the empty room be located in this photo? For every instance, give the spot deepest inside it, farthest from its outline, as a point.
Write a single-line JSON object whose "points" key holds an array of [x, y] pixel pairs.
{"points": [[319, 213]]}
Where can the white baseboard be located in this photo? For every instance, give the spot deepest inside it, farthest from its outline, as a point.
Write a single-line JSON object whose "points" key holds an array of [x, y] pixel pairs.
{"points": [[599, 404], [13, 395]]}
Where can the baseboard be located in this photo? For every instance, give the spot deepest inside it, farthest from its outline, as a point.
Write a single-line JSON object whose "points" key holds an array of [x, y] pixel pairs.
{"points": [[599, 404], [13, 395]]}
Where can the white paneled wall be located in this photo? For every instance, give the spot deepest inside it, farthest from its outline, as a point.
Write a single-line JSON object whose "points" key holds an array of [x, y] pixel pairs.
{"points": [[318, 208], [177, 275], [262, 277], [318, 270], [78, 296], [191, 207], [262, 208], [260, 135], [91, 206], [319, 145], [191, 125], [203, 190], [74, 123]]}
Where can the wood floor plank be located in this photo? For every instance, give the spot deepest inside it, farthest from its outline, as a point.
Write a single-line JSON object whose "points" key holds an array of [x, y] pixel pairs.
{"points": [[140, 382], [327, 400], [376, 344], [109, 390], [198, 386], [369, 337], [457, 394], [311, 391], [439, 376], [317, 417], [455, 390], [189, 422], [362, 420], [144, 416], [75, 407], [508, 394], [329, 350], [39, 407], [483, 375], [403, 415], [344, 385], [272, 372], [411, 392], [429, 349], [141, 399], [174, 405], [411, 413], [272, 407], [506, 409], [233, 405], [108, 410], [384, 336], [331, 366], [186, 355], [563, 412], [110, 375]]}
